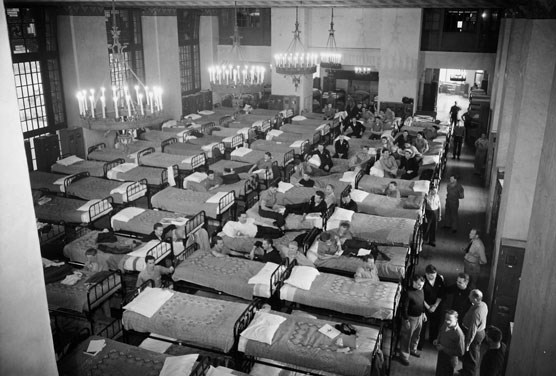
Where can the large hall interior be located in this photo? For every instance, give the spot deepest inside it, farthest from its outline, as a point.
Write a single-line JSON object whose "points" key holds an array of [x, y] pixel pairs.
{"points": [[278, 187]]}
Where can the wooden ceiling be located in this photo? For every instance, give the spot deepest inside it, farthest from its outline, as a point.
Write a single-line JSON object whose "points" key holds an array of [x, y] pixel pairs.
{"points": [[286, 3]]}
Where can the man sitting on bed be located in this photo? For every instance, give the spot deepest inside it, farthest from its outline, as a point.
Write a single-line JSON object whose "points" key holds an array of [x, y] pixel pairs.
{"points": [[212, 181], [324, 156], [306, 180], [409, 165], [349, 243], [263, 164], [315, 205], [230, 176], [328, 246], [246, 228], [329, 112], [268, 207], [361, 157], [159, 233], [94, 263], [266, 252], [153, 272], [357, 128], [348, 203], [329, 195], [294, 252], [388, 164], [341, 147], [221, 250]]}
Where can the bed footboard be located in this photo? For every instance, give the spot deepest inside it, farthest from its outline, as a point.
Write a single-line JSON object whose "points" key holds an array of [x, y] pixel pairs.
{"points": [[170, 141], [195, 223], [100, 291], [110, 165], [246, 317], [71, 178], [199, 161], [226, 207], [188, 251], [358, 178], [111, 331], [289, 157], [279, 276], [96, 147], [159, 251], [100, 208], [237, 141], [310, 239], [135, 293], [143, 152], [135, 189]]}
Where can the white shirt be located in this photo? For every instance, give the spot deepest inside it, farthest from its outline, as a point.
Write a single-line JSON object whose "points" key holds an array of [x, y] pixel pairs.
{"points": [[433, 202], [235, 229]]}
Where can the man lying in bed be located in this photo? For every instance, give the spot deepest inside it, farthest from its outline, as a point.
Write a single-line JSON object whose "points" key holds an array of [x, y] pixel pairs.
{"points": [[246, 228], [315, 205], [221, 250]]}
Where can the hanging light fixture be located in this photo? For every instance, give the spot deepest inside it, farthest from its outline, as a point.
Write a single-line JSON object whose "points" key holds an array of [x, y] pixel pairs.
{"points": [[363, 70], [331, 58], [296, 61], [233, 75], [139, 107]]}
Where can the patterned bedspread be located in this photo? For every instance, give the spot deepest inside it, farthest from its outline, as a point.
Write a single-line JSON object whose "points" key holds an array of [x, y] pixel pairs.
{"points": [[377, 185], [298, 195], [185, 201], [74, 297], [288, 137], [380, 229], [142, 223], [344, 295], [256, 155], [293, 221], [238, 167], [116, 358], [227, 274], [152, 174], [245, 244], [165, 160], [94, 188], [94, 168], [194, 319], [298, 341], [393, 269], [65, 209]]}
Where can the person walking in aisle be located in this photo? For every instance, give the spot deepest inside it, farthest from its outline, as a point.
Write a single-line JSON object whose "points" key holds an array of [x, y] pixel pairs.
{"points": [[450, 345], [413, 314], [474, 257], [454, 111], [459, 136], [455, 192], [474, 325], [433, 290], [432, 215], [481, 150]]}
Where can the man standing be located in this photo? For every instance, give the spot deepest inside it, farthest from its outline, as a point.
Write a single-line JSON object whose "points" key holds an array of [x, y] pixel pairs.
{"points": [[474, 325], [454, 110], [432, 214], [459, 136], [474, 257], [433, 289], [450, 345], [457, 295], [454, 193], [493, 359], [413, 308]]}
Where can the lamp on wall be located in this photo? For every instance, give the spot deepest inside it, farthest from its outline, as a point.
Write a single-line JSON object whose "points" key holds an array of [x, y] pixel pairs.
{"points": [[137, 107], [363, 70], [331, 58], [296, 61], [233, 75]]}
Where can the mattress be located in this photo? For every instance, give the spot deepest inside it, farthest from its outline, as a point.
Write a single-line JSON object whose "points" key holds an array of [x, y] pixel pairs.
{"points": [[187, 149], [298, 342], [286, 137], [293, 221], [197, 320], [61, 296], [207, 140], [256, 155], [117, 357], [47, 180], [226, 274], [245, 244], [66, 209], [75, 251], [239, 167], [109, 154], [342, 294], [276, 147], [187, 202], [392, 269], [152, 174], [395, 231], [155, 137], [388, 206], [298, 195], [164, 160], [95, 188], [141, 221], [377, 185], [94, 168]]}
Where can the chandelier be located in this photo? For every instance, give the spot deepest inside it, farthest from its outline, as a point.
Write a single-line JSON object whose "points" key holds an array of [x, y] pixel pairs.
{"points": [[331, 59], [233, 76], [135, 107], [296, 62]]}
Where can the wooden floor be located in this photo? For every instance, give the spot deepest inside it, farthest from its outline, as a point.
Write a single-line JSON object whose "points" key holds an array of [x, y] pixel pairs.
{"points": [[447, 255]]}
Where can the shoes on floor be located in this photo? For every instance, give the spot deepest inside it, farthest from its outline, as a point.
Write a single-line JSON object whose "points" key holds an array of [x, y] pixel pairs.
{"points": [[416, 354], [432, 244], [403, 361]]}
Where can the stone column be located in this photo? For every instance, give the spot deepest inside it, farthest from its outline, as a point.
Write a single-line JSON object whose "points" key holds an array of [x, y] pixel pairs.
{"points": [[27, 347]]}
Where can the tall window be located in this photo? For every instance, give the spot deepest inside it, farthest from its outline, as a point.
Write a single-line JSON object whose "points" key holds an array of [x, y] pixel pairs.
{"points": [[32, 33], [128, 22], [190, 60], [249, 17]]}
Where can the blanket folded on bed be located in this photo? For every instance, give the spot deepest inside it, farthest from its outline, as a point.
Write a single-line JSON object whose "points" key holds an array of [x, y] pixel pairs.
{"points": [[56, 273], [106, 237], [413, 202], [115, 249]]}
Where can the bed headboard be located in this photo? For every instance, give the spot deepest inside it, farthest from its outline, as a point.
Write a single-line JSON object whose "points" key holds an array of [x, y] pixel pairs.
{"points": [[237, 140], [159, 250], [305, 148], [316, 138], [266, 125], [246, 317], [226, 204], [112, 330], [310, 239], [206, 128], [345, 192], [142, 153], [202, 366], [225, 120], [289, 157], [100, 146], [327, 214], [188, 251], [135, 293], [198, 161], [170, 141], [71, 178], [279, 276], [195, 223], [289, 170], [252, 191], [358, 178], [164, 174]]}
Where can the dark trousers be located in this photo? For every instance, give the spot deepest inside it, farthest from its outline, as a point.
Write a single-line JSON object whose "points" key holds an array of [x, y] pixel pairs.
{"points": [[451, 214], [433, 324], [445, 364], [407, 176], [352, 246], [268, 232], [278, 218], [458, 142], [471, 359], [294, 209], [341, 155], [430, 227]]}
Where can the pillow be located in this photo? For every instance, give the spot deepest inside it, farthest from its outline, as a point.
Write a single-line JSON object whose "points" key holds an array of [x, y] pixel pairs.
{"points": [[69, 160], [263, 327], [206, 112], [314, 161], [342, 214], [358, 195], [302, 277], [413, 202], [299, 118], [421, 186], [283, 187], [263, 276], [178, 365], [430, 159], [375, 171], [193, 116], [149, 301]]}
